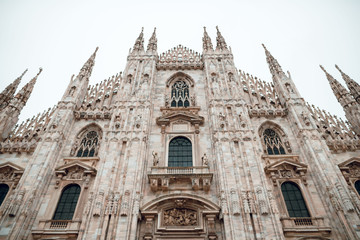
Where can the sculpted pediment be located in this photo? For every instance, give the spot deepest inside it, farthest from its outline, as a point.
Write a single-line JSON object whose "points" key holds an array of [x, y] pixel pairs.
{"points": [[286, 169], [13, 166], [286, 164], [185, 115], [349, 163], [10, 172], [77, 166], [350, 169]]}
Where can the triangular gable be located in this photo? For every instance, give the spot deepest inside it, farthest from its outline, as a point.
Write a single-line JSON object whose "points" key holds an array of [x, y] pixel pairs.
{"points": [[64, 168], [176, 116], [347, 163], [283, 162], [13, 166]]}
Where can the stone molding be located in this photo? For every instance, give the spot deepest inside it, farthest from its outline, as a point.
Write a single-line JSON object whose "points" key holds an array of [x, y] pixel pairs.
{"points": [[189, 114]]}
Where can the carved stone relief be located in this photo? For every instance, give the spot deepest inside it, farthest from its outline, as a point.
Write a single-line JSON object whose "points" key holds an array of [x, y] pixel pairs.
{"points": [[180, 217]]}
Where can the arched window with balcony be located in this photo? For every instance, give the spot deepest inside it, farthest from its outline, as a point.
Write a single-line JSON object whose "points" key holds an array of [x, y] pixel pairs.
{"points": [[180, 152], [67, 203], [180, 96], [4, 189], [294, 200], [89, 144], [273, 143]]}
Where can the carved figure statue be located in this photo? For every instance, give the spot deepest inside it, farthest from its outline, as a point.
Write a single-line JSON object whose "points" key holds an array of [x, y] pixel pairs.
{"points": [[155, 158], [167, 101], [193, 102], [205, 160]]}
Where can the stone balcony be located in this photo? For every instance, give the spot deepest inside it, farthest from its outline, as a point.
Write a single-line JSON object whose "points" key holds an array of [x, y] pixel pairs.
{"points": [[174, 178], [51, 229], [309, 225]]}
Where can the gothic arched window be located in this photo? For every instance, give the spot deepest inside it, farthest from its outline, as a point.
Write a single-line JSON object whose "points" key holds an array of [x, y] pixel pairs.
{"points": [[294, 200], [4, 189], [273, 143], [66, 206], [357, 186], [89, 145], [180, 94], [180, 152]]}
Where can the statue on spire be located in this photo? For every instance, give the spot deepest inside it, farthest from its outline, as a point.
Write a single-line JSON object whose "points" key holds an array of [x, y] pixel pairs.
{"points": [[9, 91], [139, 43], [152, 45], [353, 86], [274, 66], [207, 44], [220, 41]]}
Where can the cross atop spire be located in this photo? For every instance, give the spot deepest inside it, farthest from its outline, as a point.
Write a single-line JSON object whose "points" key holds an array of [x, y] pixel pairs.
{"points": [[220, 41], [274, 66], [139, 43], [207, 44], [340, 92], [353, 86], [86, 70], [152, 45], [9, 91]]}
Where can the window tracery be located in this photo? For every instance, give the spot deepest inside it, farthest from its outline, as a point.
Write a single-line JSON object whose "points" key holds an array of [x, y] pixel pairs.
{"points": [[273, 143], [180, 94], [89, 145]]}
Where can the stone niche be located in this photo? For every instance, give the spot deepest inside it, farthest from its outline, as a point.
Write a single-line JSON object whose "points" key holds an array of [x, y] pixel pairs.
{"points": [[180, 217]]}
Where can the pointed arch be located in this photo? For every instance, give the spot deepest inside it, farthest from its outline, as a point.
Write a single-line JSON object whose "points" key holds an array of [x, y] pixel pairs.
{"points": [[180, 75], [87, 141], [274, 139]]}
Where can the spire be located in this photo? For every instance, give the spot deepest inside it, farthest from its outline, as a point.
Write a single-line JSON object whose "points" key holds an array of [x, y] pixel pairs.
{"points": [[274, 66], [207, 44], [9, 91], [220, 41], [139, 43], [339, 90], [353, 86], [86, 70], [24, 94], [152, 45]]}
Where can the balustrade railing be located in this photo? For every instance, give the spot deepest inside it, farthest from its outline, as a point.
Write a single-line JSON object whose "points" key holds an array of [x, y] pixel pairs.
{"points": [[180, 170]]}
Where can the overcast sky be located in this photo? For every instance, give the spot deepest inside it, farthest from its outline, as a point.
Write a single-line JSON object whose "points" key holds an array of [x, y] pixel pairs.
{"points": [[59, 36]]}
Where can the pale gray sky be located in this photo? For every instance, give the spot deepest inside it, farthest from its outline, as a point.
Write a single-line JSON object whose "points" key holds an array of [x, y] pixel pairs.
{"points": [[60, 36]]}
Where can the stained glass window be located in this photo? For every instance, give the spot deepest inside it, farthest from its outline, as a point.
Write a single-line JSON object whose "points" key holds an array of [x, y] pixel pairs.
{"points": [[67, 203], [88, 145], [294, 200], [4, 189], [180, 94], [273, 143], [180, 152]]}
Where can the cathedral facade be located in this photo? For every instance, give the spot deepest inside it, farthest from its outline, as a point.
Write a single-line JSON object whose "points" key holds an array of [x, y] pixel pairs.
{"points": [[180, 145]]}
